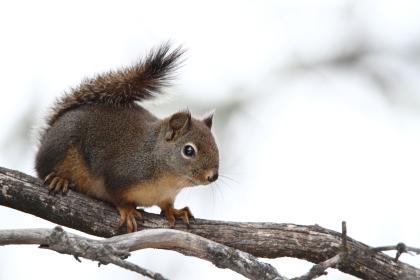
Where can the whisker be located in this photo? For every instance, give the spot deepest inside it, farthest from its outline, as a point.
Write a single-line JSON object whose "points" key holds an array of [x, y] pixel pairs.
{"points": [[213, 199], [228, 178], [228, 183], [220, 188]]}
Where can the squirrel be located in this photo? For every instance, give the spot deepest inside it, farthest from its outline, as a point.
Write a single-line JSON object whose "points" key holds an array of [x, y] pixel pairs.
{"points": [[99, 141]]}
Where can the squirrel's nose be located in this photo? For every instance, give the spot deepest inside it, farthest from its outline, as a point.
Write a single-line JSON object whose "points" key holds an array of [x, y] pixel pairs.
{"points": [[213, 177]]}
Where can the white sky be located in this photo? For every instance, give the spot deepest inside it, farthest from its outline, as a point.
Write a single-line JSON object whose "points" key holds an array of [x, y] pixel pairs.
{"points": [[319, 147]]}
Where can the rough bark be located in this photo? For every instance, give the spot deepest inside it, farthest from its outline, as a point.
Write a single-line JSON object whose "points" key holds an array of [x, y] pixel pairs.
{"points": [[116, 249], [269, 240]]}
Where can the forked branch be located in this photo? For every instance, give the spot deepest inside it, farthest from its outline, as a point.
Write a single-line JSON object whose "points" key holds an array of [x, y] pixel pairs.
{"points": [[116, 249], [269, 240]]}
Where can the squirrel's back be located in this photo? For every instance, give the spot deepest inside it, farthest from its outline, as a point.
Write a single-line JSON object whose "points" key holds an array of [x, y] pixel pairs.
{"points": [[125, 86], [85, 106]]}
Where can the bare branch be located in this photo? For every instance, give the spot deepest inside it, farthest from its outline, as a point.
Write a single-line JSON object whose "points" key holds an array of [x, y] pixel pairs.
{"points": [[320, 269], [133, 267], [115, 249], [268, 240], [71, 244], [400, 248], [197, 246]]}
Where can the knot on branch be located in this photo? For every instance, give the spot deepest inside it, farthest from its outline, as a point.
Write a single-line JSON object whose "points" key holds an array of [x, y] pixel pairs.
{"points": [[220, 255], [401, 248], [56, 240], [114, 252], [108, 254]]}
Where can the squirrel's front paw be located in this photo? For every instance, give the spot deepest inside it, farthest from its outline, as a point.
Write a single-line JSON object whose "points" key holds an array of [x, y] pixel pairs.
{"points": [[172, 214], [56, 184], [128, 216]]}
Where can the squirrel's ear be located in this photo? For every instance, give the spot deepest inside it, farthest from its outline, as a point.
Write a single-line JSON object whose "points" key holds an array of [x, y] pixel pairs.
{"points": [[178, 124], [208, 121]]}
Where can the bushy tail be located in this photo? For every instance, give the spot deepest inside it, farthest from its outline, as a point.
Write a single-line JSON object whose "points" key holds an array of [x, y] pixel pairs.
{"points": [[122, 87]]}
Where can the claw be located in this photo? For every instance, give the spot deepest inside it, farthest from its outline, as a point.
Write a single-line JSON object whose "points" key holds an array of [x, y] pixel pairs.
{"points": [[123, 217], [49, 176], [187, 209], [172, 214], [128, 217], [51, 186], [134, 223], [57, 184], [65, 186]]}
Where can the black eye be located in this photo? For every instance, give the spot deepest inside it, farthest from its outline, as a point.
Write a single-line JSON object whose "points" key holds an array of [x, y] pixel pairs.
{"points": [[188, 151]]}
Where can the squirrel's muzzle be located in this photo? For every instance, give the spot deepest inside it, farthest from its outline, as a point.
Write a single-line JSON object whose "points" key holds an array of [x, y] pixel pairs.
{"points": [[212, 175]]}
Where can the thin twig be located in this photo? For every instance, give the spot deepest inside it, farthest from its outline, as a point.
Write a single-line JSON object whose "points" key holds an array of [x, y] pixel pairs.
{"points": [[344, 247], [133, 267], [319, 269], [400, 248]]}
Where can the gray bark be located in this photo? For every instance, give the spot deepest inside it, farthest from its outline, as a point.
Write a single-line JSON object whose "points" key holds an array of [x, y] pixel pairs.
{"points": [[269, 240], [116, 249]]}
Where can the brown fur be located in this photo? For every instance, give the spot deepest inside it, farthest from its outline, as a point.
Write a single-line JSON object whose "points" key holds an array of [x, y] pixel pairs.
{"points": [[159, 191], [102, 143], [74, 169], [125, 86]]}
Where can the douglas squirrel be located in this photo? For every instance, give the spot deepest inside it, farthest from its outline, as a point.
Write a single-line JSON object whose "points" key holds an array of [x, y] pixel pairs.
{"points": [[100, 142]]}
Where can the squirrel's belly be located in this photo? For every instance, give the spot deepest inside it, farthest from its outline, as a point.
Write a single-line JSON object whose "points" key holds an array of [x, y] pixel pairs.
{"points": [[156, 192]]}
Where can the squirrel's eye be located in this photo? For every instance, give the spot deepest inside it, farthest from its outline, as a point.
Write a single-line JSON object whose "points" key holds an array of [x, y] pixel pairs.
{"points": [[188, 151]]}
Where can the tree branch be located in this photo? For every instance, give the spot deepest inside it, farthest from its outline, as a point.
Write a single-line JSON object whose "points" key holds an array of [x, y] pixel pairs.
{"points": [[268, 240], [400, 248], [116, 249], [320, 269]]}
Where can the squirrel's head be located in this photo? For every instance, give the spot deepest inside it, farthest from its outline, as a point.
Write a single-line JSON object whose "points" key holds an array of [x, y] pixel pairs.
{"points": [[188, 148]]}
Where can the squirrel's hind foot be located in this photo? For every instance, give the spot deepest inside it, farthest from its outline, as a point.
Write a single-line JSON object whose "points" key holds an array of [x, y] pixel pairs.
{"points": [[172, 214], [57, 184], [128, 217]]}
